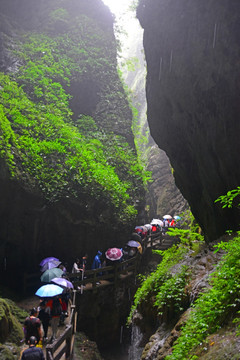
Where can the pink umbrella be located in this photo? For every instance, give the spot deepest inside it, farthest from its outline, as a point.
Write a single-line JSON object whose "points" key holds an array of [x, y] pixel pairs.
{"points": [[114, 254]]}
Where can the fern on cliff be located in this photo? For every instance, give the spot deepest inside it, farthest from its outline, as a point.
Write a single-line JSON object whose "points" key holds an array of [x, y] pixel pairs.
{"points": [[37, 143], [215, 306], [39, 140]]}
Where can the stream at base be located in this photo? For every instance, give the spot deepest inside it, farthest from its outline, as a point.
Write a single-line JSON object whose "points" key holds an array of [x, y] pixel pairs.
{"points": [[129, 349]]}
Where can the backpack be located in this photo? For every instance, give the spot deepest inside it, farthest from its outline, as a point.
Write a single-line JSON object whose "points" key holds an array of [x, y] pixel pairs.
{"points": [[56, 308]]}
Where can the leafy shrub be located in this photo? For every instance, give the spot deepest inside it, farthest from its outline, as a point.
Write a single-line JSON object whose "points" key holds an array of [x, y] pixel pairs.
{"points": [[232, 198], [161, 283], [215, 306], [39, 140]]}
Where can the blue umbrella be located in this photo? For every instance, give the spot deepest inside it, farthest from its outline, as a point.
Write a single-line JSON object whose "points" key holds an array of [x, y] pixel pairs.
{"points": [[49, 290], [44, 261], [133, 243], [177, 217]]}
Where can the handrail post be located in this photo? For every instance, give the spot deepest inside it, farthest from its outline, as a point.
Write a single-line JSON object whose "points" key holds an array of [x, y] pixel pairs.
{"points": [[68, 345], [161, 237]]}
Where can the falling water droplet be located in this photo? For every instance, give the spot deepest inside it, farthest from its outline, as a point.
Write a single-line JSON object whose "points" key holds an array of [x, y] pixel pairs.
{"points": [[170, 63], [160, 69], [214, 35]]}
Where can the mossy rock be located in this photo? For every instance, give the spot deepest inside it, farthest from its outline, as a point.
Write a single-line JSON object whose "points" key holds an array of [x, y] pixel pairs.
{"points": [[5, 321], [10, 318], [9, 352]]}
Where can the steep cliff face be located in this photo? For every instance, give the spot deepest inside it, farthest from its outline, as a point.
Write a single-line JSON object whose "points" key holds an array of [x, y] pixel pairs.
{"points": [[66, 144], [162, 197], [192, 54]]}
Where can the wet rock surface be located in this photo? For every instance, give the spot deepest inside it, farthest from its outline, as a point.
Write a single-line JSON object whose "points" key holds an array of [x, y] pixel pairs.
{"points": [[191, 50], [200, 266]]}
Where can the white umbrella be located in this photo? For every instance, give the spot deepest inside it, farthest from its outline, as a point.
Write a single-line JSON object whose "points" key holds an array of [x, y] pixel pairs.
{"points": [[167, 217], [156, 221]]}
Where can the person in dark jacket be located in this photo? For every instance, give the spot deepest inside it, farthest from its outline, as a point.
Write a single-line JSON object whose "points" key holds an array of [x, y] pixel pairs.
{"points": [[32, 326], [33, 352], [44, 316]]}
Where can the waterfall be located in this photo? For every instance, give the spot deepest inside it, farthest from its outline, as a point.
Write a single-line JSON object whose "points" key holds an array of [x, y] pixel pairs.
{"points": [[135, 350]]}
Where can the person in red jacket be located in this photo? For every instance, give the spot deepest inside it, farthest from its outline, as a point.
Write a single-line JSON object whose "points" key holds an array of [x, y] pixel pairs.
{"points": [[55, 305]]}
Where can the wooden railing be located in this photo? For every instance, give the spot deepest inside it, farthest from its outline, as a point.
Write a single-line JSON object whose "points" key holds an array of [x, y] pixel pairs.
{"points": [[111, 273], [64, 344]]}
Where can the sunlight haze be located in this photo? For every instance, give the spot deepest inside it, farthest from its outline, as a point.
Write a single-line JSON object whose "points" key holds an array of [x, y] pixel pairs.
{"points": [[118, 6]]}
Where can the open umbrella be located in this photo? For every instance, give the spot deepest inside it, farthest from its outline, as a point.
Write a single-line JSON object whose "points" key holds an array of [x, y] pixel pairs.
{"points": [[44, 261], [50, 265], [177, 217], [50, 274], [167, 217], [114, 254], [148, 226], [156, 222], [49, 290], [133, 243], [62, 282]]}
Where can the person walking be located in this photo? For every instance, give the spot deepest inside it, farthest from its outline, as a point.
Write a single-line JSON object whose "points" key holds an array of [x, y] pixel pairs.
{"points": [[44, 316], [97, 264], [76, 267], [56, 311], [33, 326], [97, 261], [33, 352]]}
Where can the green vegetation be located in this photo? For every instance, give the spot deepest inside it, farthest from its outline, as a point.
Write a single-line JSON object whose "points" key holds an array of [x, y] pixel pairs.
{"points": [[163, 285], [231, 199], [190, 233], [39, 140], [167, 287], [140, 139], [215, 306], [10, 318]]}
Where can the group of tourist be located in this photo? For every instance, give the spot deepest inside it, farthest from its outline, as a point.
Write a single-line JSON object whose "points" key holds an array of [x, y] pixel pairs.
{"points": [[133, 246], [53, 310], [158, 225]]}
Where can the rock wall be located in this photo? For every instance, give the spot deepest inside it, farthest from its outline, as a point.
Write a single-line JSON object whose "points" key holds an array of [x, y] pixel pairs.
{"points": [[162, 197], [32, 227], [192, 55]]}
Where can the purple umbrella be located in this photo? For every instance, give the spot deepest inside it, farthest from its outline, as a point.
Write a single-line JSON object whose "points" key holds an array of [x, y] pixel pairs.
{"points": [[44, 261], [133, 243], [62, 282], [50, 265]]}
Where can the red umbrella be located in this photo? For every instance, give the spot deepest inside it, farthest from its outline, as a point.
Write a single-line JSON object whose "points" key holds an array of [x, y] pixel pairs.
{"points": [[114, 254]]}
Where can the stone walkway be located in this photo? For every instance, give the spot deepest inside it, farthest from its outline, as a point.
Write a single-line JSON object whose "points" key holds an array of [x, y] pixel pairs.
{"points": [[33, 301]]}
